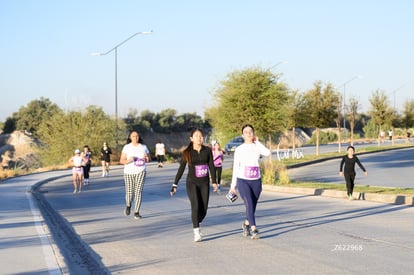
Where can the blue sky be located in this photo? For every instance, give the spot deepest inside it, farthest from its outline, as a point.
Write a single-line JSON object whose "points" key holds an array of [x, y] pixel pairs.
{"points": [[46, 50]]}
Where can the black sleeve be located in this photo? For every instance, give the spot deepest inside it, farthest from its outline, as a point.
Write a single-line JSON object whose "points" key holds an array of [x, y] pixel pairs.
{"points": [[180, 171], [360, 164], [341, 166]]}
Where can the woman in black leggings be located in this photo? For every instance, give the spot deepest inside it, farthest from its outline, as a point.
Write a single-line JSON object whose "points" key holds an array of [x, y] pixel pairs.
{"points": [[349, 170], [200, 161]]}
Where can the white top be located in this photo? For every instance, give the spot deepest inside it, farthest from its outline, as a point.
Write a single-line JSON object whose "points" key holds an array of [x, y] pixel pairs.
{"points": [[246, 161], [139, 152], [77, 161], [160, 149]]}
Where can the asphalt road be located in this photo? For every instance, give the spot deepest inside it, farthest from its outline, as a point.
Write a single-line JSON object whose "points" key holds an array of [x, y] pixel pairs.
{"points": [[393, 168], [301, 234], [53, 231]]}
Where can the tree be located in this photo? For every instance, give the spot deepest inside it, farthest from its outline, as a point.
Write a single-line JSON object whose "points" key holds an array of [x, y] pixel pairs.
{"points": [[9, 126], [338, 121], [62, 133], [253, 96], [381, 112], [407, 120], [295, 114], [31, 116], [321, 106], [352, 115]]}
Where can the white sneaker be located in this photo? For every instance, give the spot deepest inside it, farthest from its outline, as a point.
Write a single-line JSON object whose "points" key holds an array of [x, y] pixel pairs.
{"points": [[75, 191], [197, 235]]}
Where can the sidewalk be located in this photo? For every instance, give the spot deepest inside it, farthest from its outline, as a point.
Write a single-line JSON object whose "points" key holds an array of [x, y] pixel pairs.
{"points": [[25, 245]]}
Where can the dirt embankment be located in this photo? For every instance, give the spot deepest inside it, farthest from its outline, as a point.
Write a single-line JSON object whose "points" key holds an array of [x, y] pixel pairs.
{"points": [[17, 150]]}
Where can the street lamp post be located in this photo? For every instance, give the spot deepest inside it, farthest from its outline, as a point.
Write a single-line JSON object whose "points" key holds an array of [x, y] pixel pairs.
{"points": [[343, 104], [115, 49], [395, 91]]}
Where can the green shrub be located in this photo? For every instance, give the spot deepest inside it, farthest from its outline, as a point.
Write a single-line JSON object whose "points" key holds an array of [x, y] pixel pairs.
{"points": [[324, 138]]}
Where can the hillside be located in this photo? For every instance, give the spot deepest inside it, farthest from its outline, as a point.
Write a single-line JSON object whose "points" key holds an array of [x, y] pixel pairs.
{"points": [[17, 150]]}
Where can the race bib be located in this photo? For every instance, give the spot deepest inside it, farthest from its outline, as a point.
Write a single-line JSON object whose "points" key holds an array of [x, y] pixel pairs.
{"points": [[251, 172], [139, 161], [201, 171]]}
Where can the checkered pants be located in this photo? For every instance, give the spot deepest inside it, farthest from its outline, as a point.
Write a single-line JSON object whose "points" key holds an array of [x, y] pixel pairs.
{"points": [[134, 183]]}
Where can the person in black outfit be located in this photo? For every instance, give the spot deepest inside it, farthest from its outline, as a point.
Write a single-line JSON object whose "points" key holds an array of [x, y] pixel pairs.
{"points": [[349, 161], [87, 159], [200, 167], [105, 159]]}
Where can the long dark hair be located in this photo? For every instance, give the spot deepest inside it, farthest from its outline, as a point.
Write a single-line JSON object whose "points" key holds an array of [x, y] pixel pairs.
{"points": [[140, 140], [187, 150]]}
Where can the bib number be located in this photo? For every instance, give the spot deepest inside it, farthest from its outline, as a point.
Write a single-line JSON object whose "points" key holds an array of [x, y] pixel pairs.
{"points": [[251, 172], [139, 161], [201, 171]]}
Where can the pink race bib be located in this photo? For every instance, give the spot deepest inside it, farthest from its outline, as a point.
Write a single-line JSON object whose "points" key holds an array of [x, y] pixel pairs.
{"points": [[139, 161], [201, 171], [251, 172]]}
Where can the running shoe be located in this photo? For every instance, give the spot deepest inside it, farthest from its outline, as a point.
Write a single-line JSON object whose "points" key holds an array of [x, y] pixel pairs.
{"points": [[127, 210], [255, 235], [197, 235], [137, 216], [246, 230]]}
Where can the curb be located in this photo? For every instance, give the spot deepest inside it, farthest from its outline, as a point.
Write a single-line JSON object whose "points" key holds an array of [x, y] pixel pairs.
{"points": [[383, 198]]}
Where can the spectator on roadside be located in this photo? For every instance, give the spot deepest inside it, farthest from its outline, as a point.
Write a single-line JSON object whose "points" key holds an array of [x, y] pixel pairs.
{"points": [[390, 134], [77, 171], [200, 161], [218, 157], [134, 157], [105, 159], [349, 161], [247, 178], [160, 153], [87, 160]]}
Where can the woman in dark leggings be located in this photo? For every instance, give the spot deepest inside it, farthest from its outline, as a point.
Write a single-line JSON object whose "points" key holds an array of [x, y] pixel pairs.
{"points": [[349, 161], [247, 178], [200, 161]]}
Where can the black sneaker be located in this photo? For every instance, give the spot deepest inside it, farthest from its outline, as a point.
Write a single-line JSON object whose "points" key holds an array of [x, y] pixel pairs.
{"points": [[137, 216], [255, 235], [127, 210], [246, 229]]}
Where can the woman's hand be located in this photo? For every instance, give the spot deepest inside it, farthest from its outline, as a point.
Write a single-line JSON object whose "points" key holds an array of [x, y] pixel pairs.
{"points": [[173, 190]]}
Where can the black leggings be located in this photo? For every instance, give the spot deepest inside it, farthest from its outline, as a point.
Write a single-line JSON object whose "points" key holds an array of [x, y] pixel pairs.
{"points": [[86, 170], [198, 193], [349, 179], [218, 174]]}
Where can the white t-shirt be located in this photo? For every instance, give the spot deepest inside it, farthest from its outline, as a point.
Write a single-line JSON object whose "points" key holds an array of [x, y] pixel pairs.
{"points": [[246, 161], [77, 161], [139, 152], [159, 149]]}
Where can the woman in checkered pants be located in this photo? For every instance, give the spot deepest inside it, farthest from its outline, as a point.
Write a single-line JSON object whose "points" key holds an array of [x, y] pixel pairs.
{"points": [[134, 157]]}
